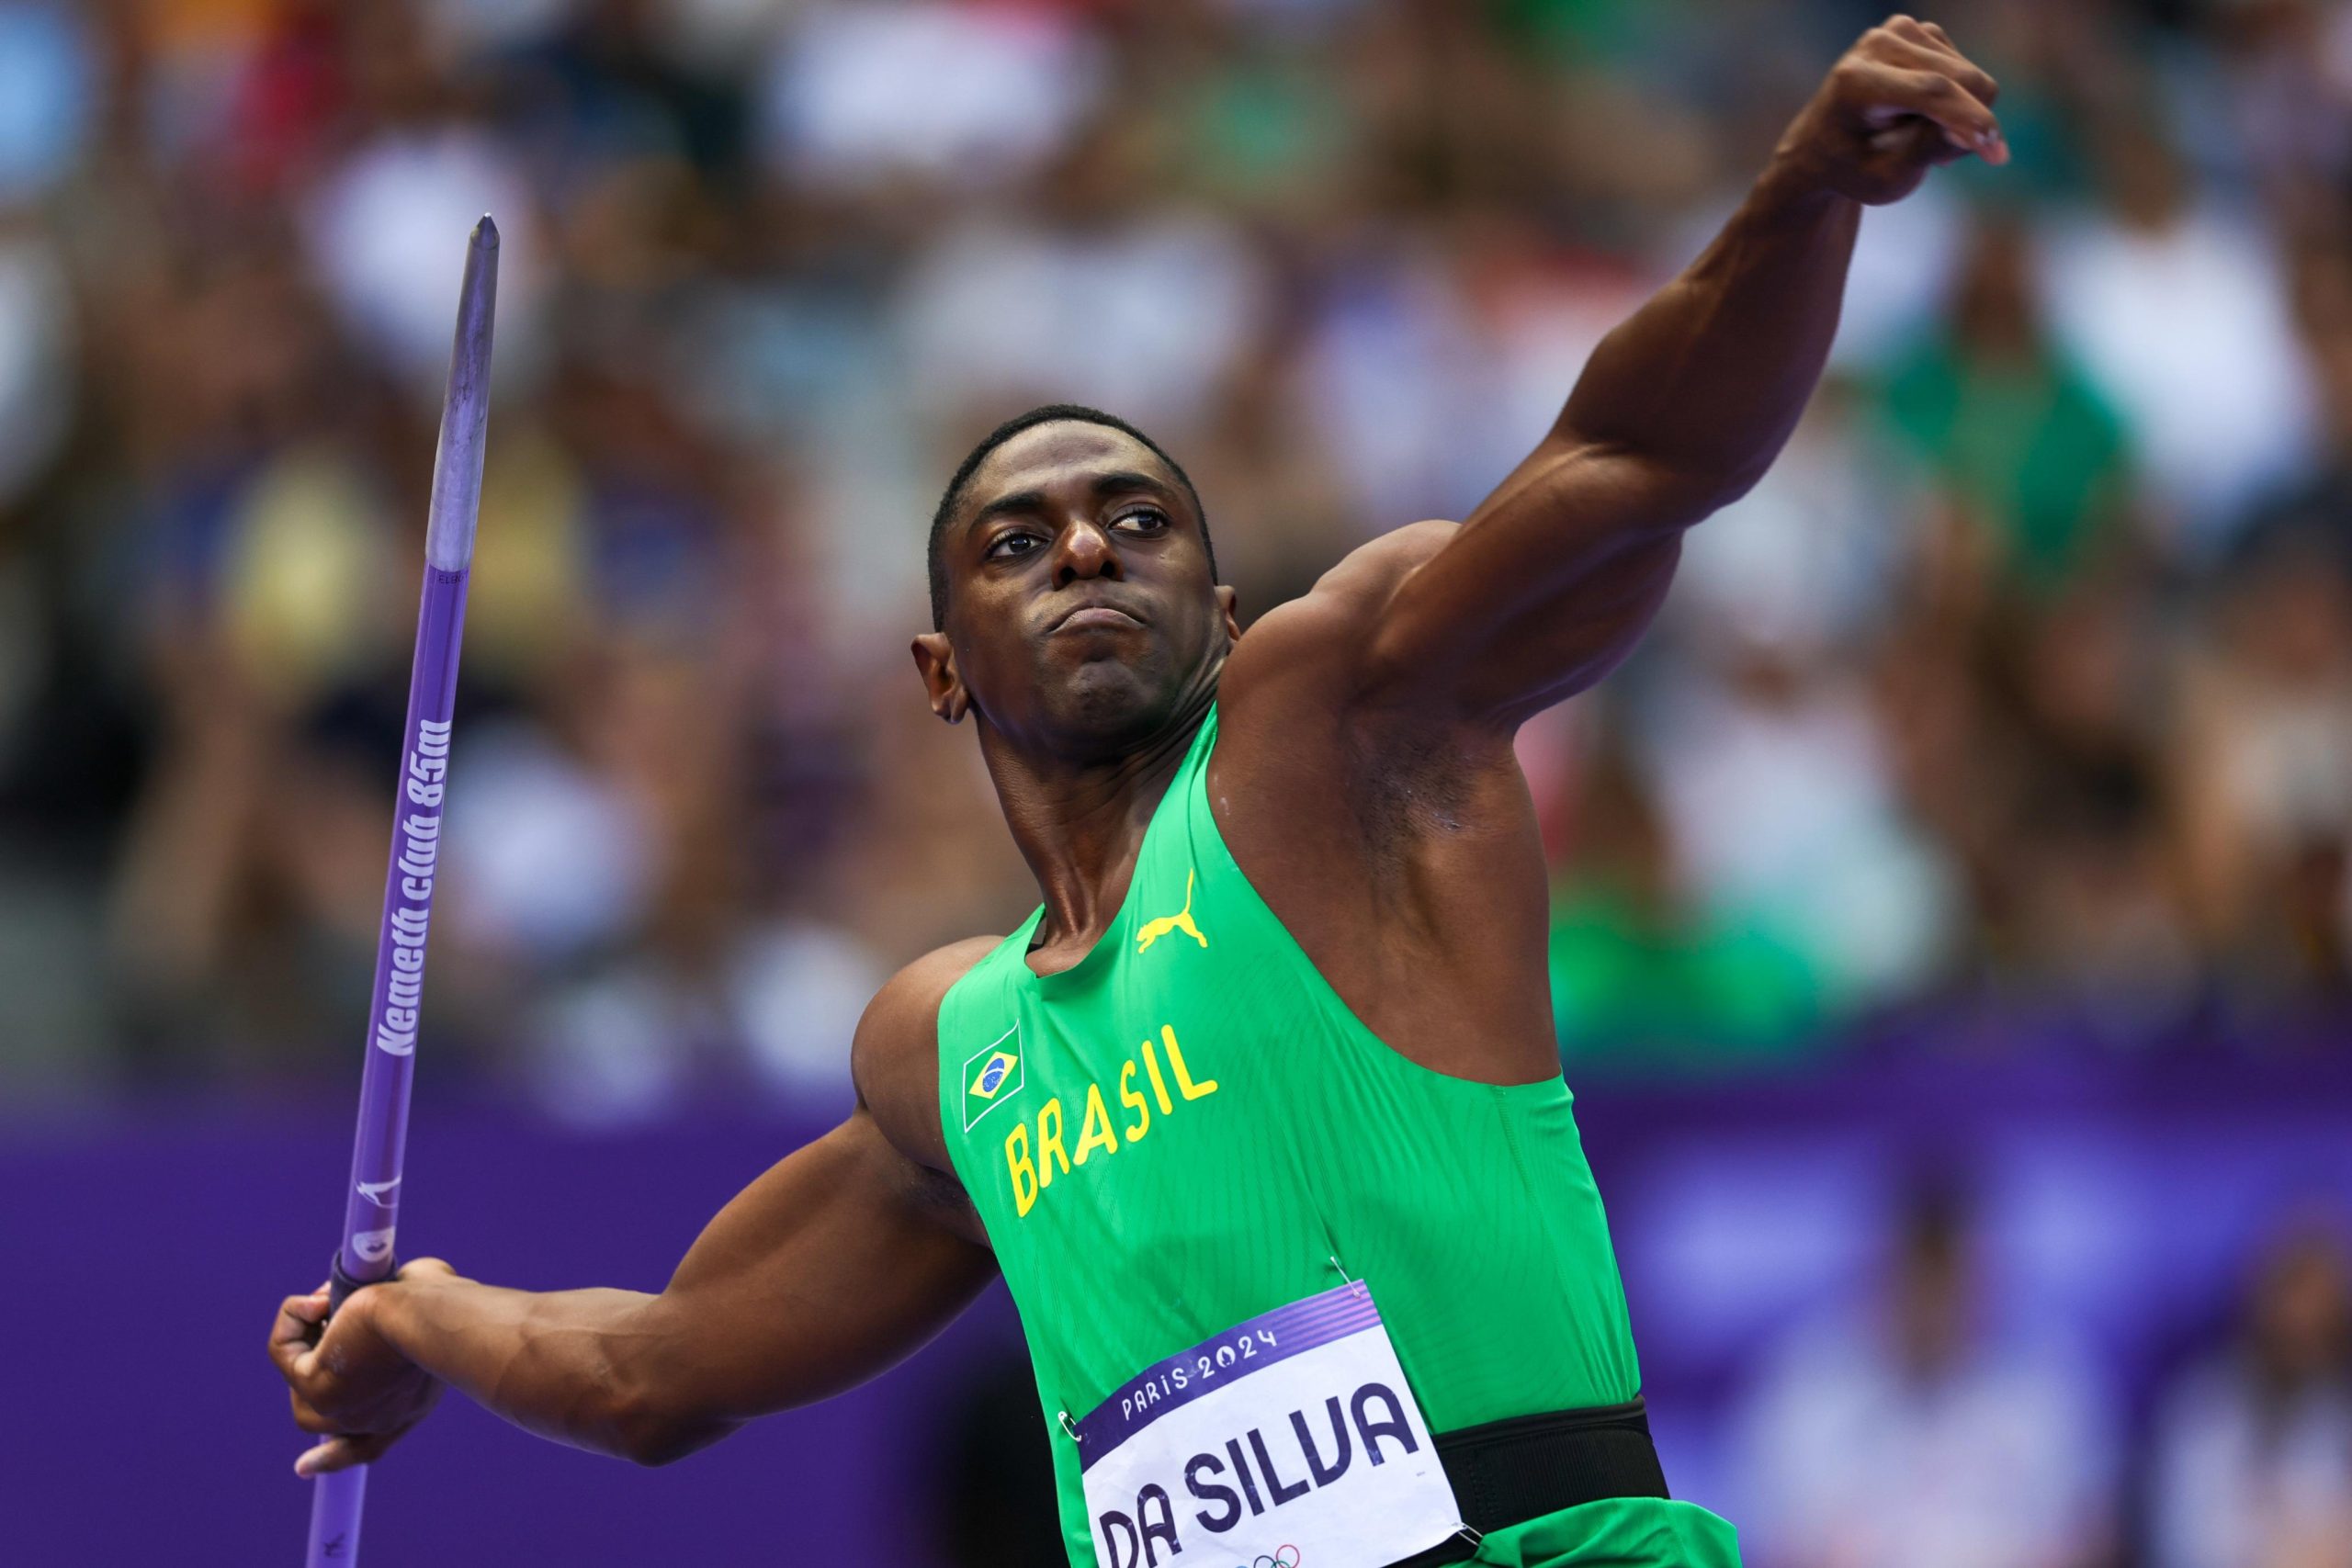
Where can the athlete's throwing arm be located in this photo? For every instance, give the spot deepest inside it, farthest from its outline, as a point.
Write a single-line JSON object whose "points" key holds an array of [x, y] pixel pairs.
{"points": [[1682, 408], [1308, 856]]}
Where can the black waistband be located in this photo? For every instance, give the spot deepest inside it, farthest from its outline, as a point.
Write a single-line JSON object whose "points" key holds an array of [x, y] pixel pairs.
{"points": [[1507, 1472]]}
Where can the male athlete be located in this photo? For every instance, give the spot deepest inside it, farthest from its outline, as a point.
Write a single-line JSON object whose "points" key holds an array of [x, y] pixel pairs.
{"points": [[1259, 1115]]}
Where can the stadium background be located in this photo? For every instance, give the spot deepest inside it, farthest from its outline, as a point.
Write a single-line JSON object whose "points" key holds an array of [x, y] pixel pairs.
{"points": [[1953, 922]]}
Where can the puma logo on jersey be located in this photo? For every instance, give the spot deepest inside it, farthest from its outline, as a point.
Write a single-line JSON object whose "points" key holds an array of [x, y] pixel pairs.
{"points": [[1182, 920]]}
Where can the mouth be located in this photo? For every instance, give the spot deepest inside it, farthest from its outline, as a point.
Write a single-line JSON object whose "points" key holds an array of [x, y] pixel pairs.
{"points": [[1091, 617]]}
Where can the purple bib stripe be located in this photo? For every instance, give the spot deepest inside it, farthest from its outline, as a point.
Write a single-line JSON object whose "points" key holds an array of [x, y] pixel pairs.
{"points": [[1245, 1348]]}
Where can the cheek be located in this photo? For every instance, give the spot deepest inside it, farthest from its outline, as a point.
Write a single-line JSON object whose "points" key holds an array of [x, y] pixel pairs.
{"points": [[1200, 625]]}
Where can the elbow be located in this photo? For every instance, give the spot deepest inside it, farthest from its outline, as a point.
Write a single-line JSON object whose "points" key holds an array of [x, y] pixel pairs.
{"points": [[645, 1433], [1691, 487], [670, 1444], [1717, 473], [1732, 481], [1656, 488], [648, 1417]]}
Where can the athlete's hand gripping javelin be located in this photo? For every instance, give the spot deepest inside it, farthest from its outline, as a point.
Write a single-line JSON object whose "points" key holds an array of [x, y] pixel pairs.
{"points": [[350, 1383], [1084, 628]]}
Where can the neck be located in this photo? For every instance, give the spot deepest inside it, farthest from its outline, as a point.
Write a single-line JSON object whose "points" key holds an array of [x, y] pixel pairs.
{"points": [[1080, 822]]}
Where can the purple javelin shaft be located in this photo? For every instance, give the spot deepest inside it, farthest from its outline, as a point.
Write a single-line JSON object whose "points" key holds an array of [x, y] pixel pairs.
{"points": [[371, 1206]]}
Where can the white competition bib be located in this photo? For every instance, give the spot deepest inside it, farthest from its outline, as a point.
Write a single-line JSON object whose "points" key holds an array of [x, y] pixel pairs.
{"points": [[1289, 1441]]}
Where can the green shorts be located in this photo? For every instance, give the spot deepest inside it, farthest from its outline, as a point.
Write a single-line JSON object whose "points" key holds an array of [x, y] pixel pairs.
{"points": [[1617, 1532]]}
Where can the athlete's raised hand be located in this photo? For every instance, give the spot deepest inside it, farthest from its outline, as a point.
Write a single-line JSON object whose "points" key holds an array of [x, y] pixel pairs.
{"points": [[1900, 101], [347, 1381]]}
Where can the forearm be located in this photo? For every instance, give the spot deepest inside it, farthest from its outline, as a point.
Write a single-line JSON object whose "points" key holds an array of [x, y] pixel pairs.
{"points": [[573, 1366], [1703, 384], [832, 1266]]}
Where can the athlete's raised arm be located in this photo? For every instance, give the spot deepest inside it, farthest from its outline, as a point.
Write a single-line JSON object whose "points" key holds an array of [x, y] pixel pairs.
{"points": [[1682, 408], [834, 1265]]}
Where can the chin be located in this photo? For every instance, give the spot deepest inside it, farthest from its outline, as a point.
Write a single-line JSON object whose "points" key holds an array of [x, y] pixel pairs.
{"points": [[1107, 702]]}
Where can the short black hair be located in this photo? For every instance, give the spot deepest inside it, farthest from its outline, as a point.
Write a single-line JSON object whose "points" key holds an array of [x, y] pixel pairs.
{"points": [[1048, 413]]}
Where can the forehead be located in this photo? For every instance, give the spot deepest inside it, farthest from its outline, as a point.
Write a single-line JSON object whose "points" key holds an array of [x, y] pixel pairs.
{"points": [[1061, 451]]}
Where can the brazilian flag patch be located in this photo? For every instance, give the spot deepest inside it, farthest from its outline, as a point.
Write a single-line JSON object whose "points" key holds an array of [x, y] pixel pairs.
{"points": [[991, 1075]]}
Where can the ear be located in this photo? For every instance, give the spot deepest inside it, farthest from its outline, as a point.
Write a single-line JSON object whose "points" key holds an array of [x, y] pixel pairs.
{"points": [[935, 658], [1228, 600]]}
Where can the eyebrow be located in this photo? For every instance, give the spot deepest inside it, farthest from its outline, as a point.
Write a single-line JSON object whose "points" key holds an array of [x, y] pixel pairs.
{"points": [[1020, 500], [1104, 488], [1111, 484]]}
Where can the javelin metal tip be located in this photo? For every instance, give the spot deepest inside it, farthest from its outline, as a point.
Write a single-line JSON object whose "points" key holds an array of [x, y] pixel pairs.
{"points": [[465, 410]]}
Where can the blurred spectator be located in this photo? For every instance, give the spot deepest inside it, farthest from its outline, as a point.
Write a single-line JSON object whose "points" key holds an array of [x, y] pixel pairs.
{"points": [[1387, 371], [2088, 888], [2265, 760], [1777, 786], [1638, 977], [1918, 1429], [48, 97], [373, 227], [2018, 442], [862, 94], [2179, 307], [1109, 293], [2289, 66], [2253, 1463], [37, 359]]}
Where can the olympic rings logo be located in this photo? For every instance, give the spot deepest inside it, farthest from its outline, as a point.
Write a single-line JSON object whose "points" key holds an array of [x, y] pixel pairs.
{"points": [[1283, 1557]]}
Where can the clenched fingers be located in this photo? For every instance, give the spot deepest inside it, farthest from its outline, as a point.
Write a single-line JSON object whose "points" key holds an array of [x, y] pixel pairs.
{"points": [[293, 1336], [1884, 94], [1922, 53], [1922, 32], [1918, 54], [1937, 36]]}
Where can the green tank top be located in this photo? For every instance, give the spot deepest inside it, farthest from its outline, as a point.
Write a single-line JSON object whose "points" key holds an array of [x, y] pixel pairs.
{"points": [[1190, 1128]]}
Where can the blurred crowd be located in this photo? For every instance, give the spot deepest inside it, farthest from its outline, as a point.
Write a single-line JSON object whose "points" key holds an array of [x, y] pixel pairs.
{"points": [[2026, 674], [1921, 1423]]}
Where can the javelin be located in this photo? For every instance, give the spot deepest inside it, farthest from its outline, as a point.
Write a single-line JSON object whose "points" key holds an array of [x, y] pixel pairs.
{"points": [[371, 1207]]}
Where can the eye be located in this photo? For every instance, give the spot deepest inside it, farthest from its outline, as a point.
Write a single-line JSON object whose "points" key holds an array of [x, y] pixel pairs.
{"points": [[1011, 543], [1141, 519]]}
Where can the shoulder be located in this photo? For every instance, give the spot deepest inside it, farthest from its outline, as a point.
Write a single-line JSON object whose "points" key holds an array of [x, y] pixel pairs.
{"points": [[895, 1057], [1336, 609], [1316, 647], [1379, 565]]}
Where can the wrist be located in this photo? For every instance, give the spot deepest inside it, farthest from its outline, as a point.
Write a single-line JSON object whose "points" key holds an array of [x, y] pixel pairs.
{"points": [[1794, 185], [396, 1309]]}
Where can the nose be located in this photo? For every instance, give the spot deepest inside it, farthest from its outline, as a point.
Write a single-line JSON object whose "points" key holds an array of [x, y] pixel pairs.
{"points": [[1084, 551]]}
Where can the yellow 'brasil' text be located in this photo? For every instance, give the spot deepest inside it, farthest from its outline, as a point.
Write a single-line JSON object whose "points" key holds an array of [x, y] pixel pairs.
{"points": [[1033, 1174]]}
